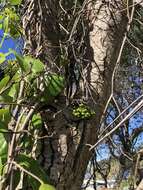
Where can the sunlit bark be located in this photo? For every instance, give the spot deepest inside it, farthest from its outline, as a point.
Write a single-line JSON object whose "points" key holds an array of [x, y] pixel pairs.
{"points": [[140, 186], [66, 156]]}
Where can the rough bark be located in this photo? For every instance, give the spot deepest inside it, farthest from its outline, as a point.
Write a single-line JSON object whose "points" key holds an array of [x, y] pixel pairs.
{"points": [[66, 155], [41, 31]]}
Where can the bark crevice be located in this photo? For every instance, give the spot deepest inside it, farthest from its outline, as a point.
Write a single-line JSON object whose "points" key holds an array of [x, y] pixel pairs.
{"points": [[71, 154]]}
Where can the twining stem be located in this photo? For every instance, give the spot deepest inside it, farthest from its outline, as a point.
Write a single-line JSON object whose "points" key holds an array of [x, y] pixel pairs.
{"points": [[14, 141]]}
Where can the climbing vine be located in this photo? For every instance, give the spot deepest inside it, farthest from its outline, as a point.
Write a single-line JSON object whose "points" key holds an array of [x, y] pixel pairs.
{"points": [[25, 87]]}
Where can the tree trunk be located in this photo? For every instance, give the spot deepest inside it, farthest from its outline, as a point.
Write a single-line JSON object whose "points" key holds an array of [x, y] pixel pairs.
{"points": [[140, 186], [65, 156], [41, 31]]}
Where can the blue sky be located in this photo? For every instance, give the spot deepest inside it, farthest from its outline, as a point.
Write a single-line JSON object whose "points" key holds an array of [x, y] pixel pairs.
{"points": [[10, 43]]}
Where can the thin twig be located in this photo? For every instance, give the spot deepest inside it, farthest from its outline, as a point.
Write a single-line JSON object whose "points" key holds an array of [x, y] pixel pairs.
{"points": [[119, 58], [135, 110], [27, 172], [125, 110]]}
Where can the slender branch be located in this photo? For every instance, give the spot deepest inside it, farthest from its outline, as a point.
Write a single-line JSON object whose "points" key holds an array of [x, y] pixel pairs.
{"points": [[127, 108], [15, 138], [135, 110], [27, 172], [119, 58]]}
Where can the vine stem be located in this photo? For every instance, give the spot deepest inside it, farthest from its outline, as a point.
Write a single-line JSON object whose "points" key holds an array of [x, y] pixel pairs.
{"points": [[27, 172], [15, 138]]}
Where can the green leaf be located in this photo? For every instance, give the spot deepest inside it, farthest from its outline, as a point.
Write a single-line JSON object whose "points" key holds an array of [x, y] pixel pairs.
{"points": [[29, 65], [2, 57], [33, 183], [4, 120], [2, 163], [13, 22], [37, 121], [20, 60], [1, 166], [3, 145], [16, 77], [13, 91], [35, 64], [33, 166], [4, 98], [5, 116], [1, 17], [15, 2], [54, 84], [0, 26], [46, 187], [5, 24], [4, 82], [14, 31]]}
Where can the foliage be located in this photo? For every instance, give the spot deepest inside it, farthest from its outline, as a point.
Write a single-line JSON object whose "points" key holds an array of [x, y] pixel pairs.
{"points": [[10, 22], [25, 81], [46, 187], [83, 112], [29, 71], [27, 86], [32, 166]]}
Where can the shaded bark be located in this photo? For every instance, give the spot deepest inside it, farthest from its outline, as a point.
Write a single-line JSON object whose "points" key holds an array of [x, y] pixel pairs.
{"points": [[41, 31], [65, 156]]}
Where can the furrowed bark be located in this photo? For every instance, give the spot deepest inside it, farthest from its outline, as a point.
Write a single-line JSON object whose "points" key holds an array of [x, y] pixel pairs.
{"points": [[107, 24], [41, 31], [66, 155]]}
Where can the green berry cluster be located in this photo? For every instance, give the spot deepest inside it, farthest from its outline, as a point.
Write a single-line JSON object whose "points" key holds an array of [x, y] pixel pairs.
{"points": [[83, 112]]}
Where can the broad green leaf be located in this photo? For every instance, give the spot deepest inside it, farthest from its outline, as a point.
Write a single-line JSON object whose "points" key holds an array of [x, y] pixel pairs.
{"points": [[29, 65], [3, 145], [13, 17], [54, 84], [13, 91], [2, 163], [5, 115], [15, 2], [14, 31], [2, 57], [4, 119], [33, 183], [37, 121], [4, 82], [16, 77], [32, 65], [35, 64], [33, 166], [1, 17], [16, 179], [26, 142], [46, 187], [5, 98], [0, 26], [5, 24], [20, 60], [14, 22]]}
